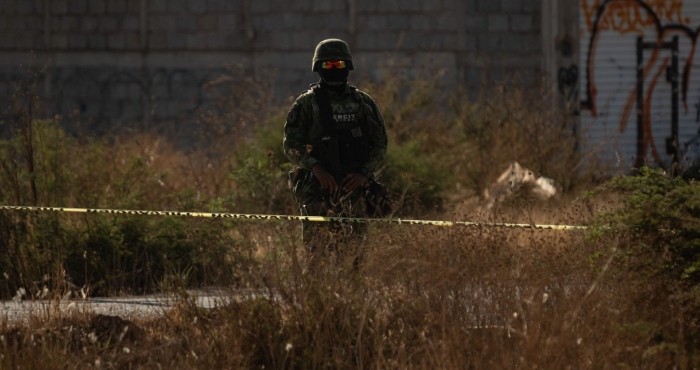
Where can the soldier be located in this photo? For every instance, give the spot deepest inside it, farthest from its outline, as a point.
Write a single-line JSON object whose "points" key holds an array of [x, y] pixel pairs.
{"points": [[336, 139]]}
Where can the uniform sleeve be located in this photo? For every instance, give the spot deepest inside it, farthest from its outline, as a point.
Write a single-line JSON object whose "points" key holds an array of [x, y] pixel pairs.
{"points": [[377, 136], [296, 129]]}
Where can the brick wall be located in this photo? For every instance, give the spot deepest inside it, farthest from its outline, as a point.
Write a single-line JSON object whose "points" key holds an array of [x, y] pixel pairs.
{"points": [[126, 60]]}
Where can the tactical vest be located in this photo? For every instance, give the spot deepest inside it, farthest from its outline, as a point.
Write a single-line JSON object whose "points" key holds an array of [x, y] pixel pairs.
{"points": [[344, 143]]}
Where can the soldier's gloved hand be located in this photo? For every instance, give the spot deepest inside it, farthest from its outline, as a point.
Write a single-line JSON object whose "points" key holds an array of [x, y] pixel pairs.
{"points": [[353, 180], [325, 178]]}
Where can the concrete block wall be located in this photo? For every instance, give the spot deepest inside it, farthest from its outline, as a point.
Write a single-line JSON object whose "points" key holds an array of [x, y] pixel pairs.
{"points": [[129, 60]]}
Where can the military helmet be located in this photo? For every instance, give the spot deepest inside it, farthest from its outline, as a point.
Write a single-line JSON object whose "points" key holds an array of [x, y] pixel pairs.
{"points": [[332, 49]]}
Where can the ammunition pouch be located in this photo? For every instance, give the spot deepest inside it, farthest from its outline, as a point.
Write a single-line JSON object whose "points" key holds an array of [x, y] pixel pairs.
{"points": [[353, 146]]}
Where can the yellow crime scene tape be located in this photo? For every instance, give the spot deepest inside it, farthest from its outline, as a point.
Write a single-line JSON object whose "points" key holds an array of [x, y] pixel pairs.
{"points": [[397, 221]]}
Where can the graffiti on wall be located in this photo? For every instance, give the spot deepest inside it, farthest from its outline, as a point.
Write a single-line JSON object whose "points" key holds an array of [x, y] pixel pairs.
{"points": [[632, 16], [609, 79]]}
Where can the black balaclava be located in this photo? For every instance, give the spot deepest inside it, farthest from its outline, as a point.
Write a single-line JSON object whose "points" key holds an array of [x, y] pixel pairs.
{"points": [[334, 79]]}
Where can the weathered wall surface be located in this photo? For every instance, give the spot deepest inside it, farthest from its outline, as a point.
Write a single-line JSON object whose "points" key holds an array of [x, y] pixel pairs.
{"points": [[126, 61], [627, 93]]}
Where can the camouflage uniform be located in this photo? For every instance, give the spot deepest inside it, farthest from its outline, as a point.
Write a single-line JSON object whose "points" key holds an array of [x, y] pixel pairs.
{"points": [[305, 144]]}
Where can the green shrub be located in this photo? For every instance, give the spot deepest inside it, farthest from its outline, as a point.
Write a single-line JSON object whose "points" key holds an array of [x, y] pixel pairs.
{"points": [[103, 254], [659, 218], [654, 225]]}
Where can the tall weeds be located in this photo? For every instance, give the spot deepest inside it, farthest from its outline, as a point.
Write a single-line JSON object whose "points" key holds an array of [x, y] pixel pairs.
{"points": [[422, 297]]}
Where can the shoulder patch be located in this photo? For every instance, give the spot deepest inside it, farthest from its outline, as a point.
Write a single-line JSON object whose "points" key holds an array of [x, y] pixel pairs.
{"points": [[293, 115]]}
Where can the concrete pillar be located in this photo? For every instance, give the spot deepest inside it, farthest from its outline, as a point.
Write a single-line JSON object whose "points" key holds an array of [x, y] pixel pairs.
{"points": [[560, 47]]}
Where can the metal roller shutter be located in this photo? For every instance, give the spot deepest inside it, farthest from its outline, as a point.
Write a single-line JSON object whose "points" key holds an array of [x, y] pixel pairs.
{"points": [[612, 123]]}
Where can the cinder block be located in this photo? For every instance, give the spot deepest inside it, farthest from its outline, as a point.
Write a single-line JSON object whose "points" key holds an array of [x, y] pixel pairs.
{"points": [[335, 21], [216, 40], [220, 5], [469, 5], [7, 40], [303, 40], [452, 5], [55, 24], [131, 23], [197, 6], [371, 22], [410, 5], [233, 42], [97, 6], [513, 5], [207, 22], [176, 41], [109, 23], [25, 7], [59, 6], [496, 75], [388, 5], [305, 6], [365, 6], [162, 23], [488, 42], [422, 22], [16, 24], [69, 23], [186, 23], [396, 22], [116, 41], [164, 109], [97, 41], [497, 22], [8, 6], [292, 21], [59, 41], [430, 5], [521, 22], [388, 41], [531, 6], [24, 41], [450, 42], [281, 40], [133, 41], [470, 43], [196, 41], [134, 6], [322, 6], [260, 6], [534, 42], [536, 22], [474, 23], [33, 23], [156, 41], [177, 5], [116, 6], [514, 42], [157, 6], [89, 23], [77, 41], [227, 22], [448, 21], [488, 6], [77, 6], [314, 22], [270, 22]]}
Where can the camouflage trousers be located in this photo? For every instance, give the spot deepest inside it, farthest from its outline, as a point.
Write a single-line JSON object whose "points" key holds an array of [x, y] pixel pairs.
{"points": [[340, 238]]}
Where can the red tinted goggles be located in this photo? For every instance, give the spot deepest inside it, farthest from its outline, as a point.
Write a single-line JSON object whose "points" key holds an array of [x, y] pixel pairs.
{"points": [[330, 64]]}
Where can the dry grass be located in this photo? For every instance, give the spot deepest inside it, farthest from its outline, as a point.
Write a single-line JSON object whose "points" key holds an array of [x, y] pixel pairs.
{"points": [[424, 297]]}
